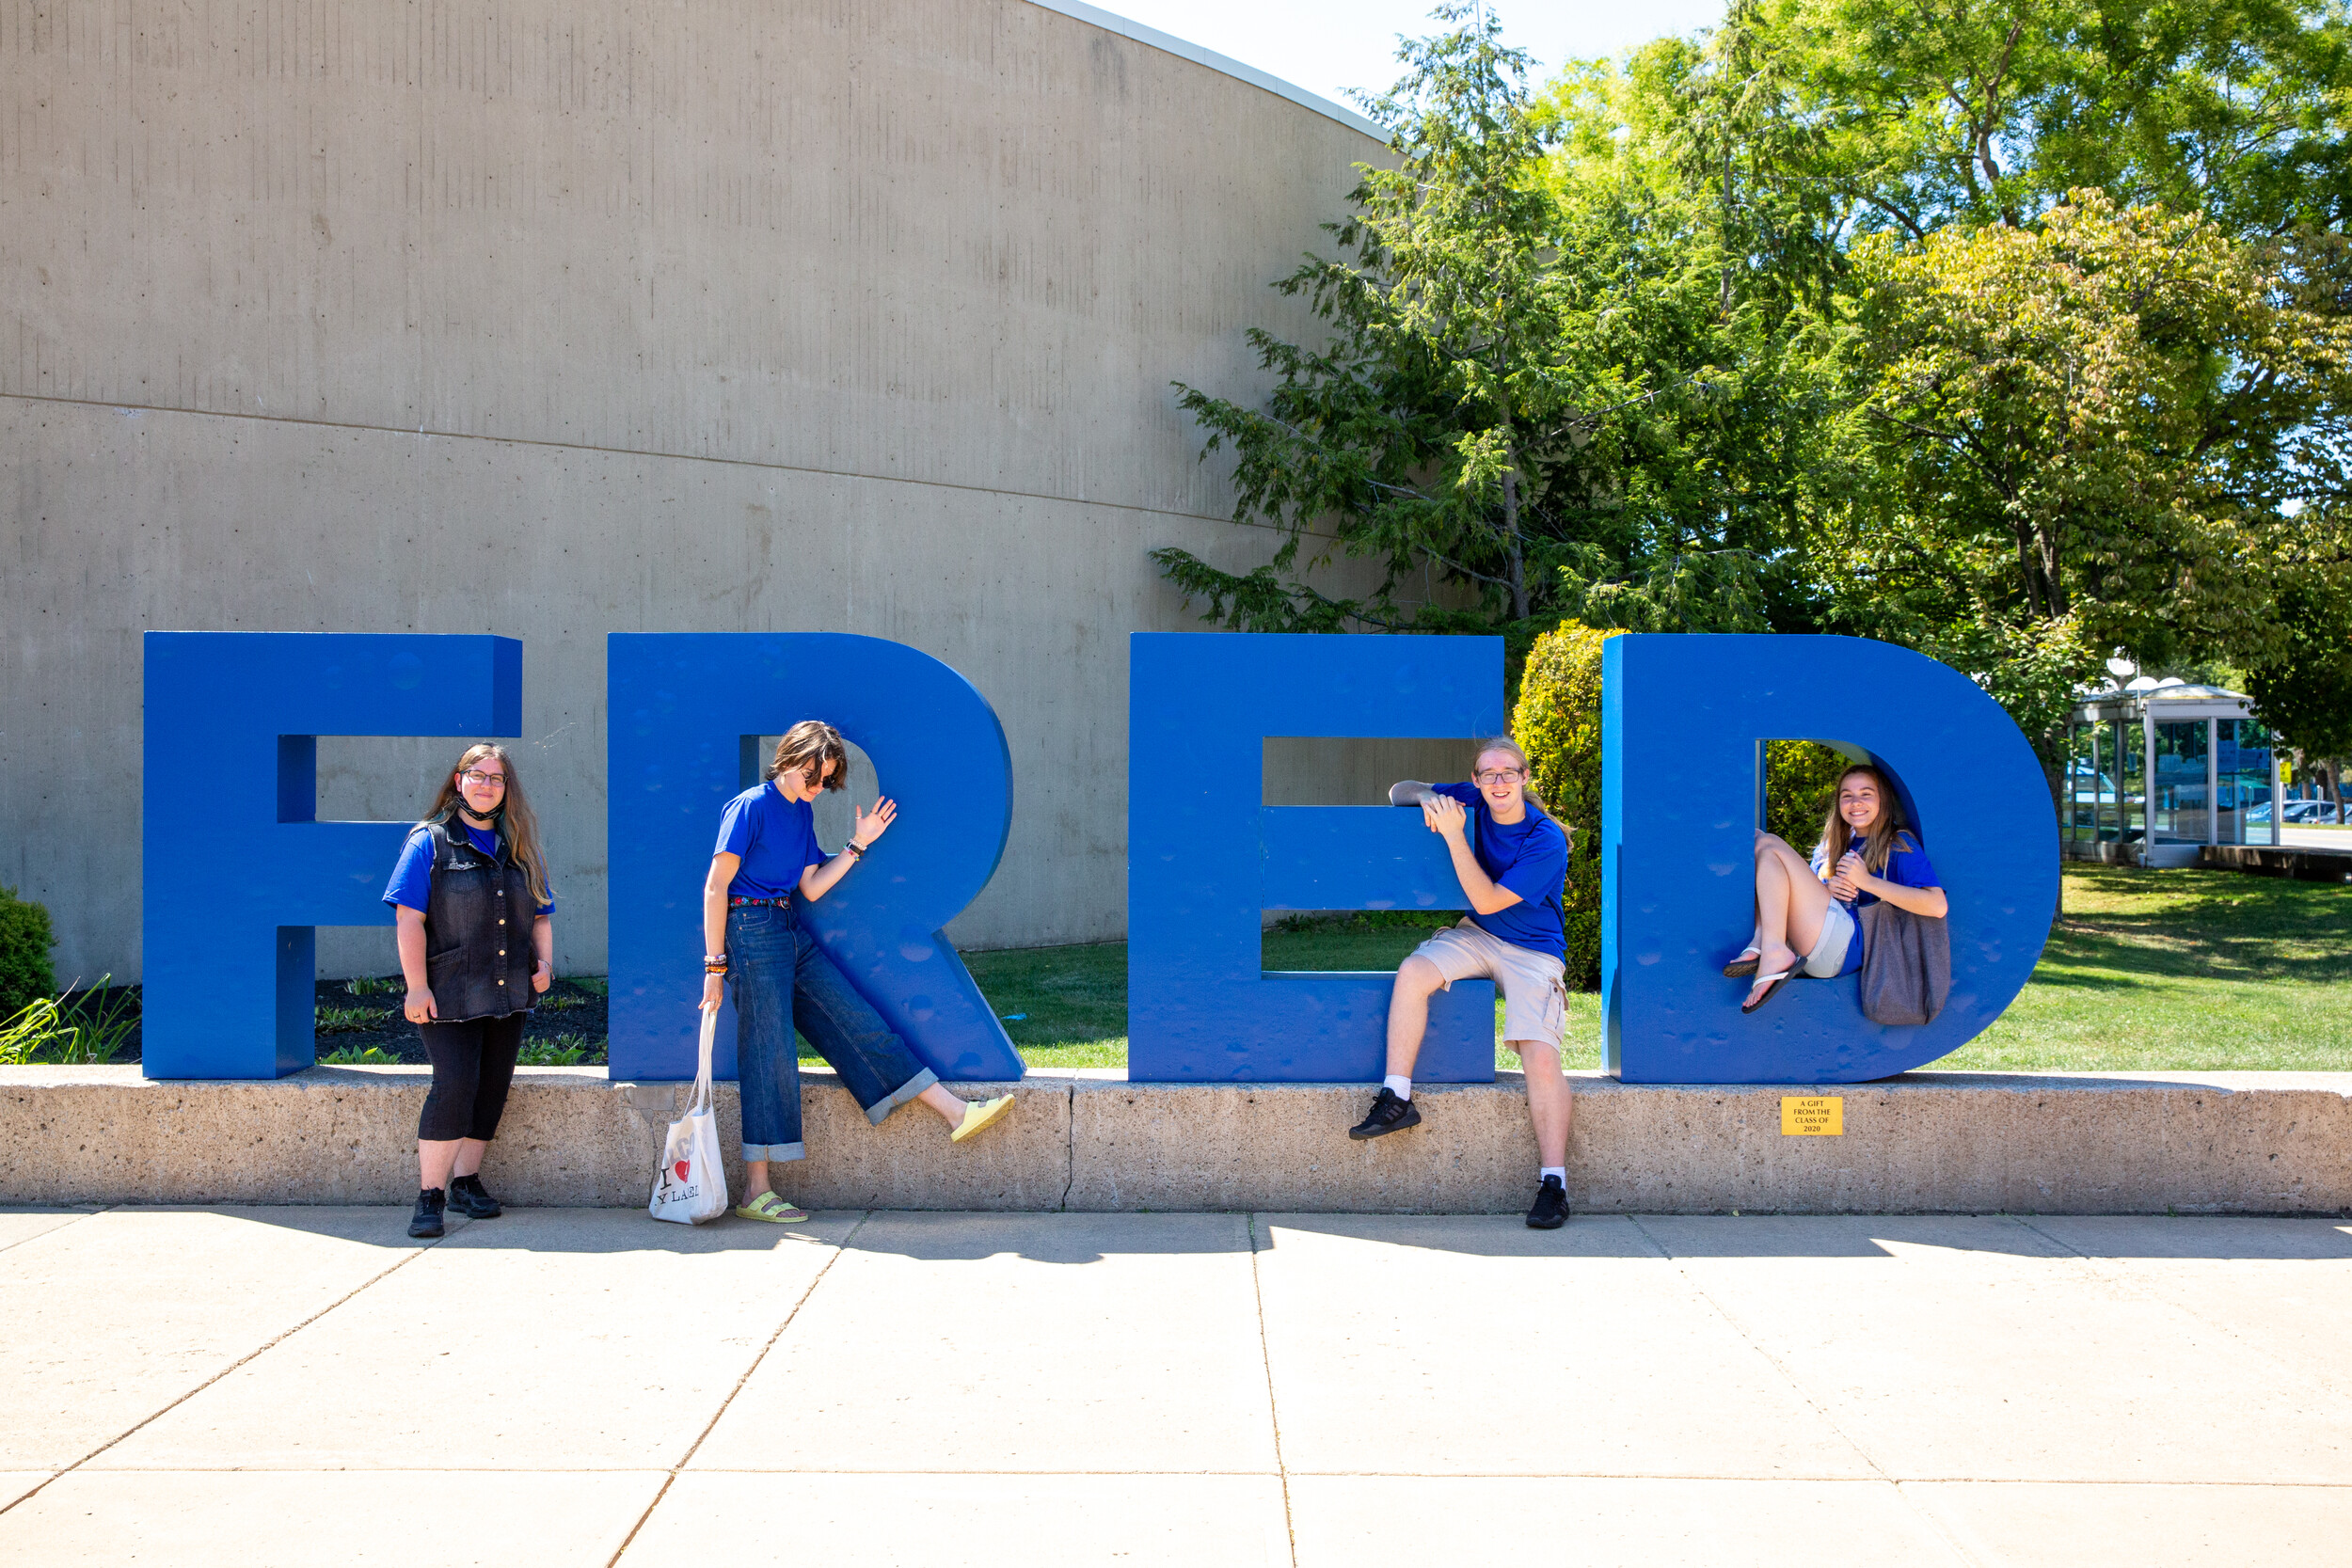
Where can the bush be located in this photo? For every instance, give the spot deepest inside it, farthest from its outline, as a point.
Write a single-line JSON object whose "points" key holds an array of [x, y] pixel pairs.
{"points": [[1799, 776], [1557, 720], [25, 976]]}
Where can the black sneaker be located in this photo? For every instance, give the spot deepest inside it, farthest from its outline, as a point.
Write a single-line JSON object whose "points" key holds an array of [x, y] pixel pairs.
{"points": [[1387, 1114], [1551, 1206], [426, 1221], [466, 1196]]}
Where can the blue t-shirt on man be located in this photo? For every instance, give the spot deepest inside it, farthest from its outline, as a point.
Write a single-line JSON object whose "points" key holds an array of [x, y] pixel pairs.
{"points": [[1529, 856], [412, 873], [775, 838]]}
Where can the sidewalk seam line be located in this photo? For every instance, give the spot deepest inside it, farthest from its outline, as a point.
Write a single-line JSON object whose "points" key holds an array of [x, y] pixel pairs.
{"points": [[133, 1430], [1273, 1411], [61, 1229], [2110, 1270], [694, 1447], [1934, 1527]]}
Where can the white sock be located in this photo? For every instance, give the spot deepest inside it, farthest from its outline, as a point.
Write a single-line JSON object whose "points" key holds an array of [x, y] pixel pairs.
{"points": [[1560, 1171], [1399, 1086]]}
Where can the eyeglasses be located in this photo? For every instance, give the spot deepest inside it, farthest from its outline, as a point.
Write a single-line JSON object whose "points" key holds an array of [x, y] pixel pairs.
{"points": [[1500, 775], [477, 779]]}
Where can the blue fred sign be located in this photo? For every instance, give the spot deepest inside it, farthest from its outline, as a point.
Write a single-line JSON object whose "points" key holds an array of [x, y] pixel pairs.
{"points": [[231, 722]]}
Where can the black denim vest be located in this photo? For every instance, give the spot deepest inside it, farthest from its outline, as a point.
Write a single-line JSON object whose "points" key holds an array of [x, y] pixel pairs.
{"points": [[478, 955]]}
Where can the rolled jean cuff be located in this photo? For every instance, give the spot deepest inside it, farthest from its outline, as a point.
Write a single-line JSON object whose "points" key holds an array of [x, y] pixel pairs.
{"points": [[776, 1151], [880, 1109]]}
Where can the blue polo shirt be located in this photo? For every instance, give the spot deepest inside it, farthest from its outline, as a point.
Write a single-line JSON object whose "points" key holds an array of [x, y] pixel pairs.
{"points": [[775, 838], [1529, 856], [1907, 865], [411, 886]]}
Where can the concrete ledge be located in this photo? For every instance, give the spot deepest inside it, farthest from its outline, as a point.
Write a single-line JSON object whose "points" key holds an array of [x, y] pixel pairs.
{"points": [[2302, 863], [2096, 1143]]}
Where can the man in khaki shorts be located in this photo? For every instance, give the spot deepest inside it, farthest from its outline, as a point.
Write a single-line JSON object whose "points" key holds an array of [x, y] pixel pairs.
{"points": [[1513, 862]]}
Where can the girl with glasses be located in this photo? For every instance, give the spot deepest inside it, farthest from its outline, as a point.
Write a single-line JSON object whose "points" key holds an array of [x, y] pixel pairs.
{"points": [[473, 915]]}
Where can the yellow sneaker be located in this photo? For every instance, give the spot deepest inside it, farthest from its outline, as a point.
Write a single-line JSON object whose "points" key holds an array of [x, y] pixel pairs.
{"points": [[978, 1113]]}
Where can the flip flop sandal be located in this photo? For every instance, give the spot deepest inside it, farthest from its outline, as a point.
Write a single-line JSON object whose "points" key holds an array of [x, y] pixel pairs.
{"points": [[1774, 984], [980, 1114], [769, 1207], [1742, 966]]}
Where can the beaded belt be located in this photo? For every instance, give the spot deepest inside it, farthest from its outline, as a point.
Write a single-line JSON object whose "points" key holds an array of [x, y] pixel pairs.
{"points": [[735, 903]]}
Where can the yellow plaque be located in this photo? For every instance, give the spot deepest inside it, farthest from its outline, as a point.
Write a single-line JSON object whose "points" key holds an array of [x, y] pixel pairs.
{"points": [[1812, 1116]]}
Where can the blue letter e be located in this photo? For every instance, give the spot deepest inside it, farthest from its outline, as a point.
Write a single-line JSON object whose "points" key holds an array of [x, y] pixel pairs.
{"points": [[1205, 855]]}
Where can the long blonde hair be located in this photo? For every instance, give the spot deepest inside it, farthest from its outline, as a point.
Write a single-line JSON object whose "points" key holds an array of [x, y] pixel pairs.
{"points": [[1836, 837], [517, 822]]}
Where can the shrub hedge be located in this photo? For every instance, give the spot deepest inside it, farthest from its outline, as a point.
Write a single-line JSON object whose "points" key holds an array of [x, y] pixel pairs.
{"points": [[1557, 719], [24, 943]]}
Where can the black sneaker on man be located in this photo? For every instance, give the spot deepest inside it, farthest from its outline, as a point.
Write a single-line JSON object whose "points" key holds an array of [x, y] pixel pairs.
{"points": [[466, 1196], [1387, 1114], [1551, 1206], [426, 1221]]}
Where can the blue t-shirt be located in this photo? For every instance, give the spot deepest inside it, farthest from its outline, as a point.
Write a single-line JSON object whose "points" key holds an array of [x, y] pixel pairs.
{"points": [[1907, 865], [776, 839], [1529, 856], [411, 886]]}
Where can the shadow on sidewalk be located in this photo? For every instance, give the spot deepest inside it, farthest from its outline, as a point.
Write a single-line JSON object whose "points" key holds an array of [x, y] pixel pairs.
{"points": [[955, 1236], [1884, 1236]]}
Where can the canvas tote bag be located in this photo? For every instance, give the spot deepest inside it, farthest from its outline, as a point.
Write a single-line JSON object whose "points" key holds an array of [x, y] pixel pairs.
{"points": [[1906, 965], [692, 1185]]}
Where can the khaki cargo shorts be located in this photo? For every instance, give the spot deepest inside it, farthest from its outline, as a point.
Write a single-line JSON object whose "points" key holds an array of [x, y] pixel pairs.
{"points": [[1534, 1001]]}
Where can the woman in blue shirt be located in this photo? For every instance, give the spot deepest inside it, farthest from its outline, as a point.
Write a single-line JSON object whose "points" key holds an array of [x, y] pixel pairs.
{"points": [[459, 892], [1807, 910], [767, 852]]}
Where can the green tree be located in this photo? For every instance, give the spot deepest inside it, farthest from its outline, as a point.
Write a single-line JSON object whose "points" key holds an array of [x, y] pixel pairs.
{"points": [[2084, 436], [1488, 410], [1962, 112], [2305, 691]]}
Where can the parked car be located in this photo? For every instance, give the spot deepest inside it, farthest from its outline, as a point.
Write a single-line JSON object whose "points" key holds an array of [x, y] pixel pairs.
{"points": [[2312, 813]]}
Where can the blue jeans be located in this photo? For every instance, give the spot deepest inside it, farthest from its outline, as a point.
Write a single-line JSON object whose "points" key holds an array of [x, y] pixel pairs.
{"points": [[783, 978]]}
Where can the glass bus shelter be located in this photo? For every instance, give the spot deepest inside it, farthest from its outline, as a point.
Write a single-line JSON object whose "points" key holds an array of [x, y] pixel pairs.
{"points": [[2155, 772]]}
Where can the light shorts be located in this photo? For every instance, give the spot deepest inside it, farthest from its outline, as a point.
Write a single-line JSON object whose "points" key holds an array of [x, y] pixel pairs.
{"points": [[1535, 1003], [1829, 953]]}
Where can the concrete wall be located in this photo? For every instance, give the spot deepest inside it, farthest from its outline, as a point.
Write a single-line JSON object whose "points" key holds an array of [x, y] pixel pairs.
{"points": [[2145, 1143], [561, 317]]}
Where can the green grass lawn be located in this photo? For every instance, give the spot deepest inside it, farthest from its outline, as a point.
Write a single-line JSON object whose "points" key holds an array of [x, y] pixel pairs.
{"points": [[2149, 970]]}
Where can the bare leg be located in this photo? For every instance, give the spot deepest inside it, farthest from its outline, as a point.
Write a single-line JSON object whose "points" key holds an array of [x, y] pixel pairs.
{"points": [[469, 1153], [433, 1158], [1550, 1104], [947, 1106], [754, 1179], [1791, 904], [1417, 980]]}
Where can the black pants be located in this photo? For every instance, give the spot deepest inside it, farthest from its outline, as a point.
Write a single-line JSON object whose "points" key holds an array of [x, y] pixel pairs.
{"points": [[473, 1063]]}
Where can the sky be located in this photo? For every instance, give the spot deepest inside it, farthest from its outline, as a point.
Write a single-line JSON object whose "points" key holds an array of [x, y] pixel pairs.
{"points": [[1328, 46]]}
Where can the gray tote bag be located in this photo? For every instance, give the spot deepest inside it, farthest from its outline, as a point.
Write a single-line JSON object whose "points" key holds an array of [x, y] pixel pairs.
{"points": [[1906, 965]]}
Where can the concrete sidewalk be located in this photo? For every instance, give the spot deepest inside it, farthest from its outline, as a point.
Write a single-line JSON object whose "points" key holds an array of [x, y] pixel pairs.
{"points": [[294, 1385]]}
